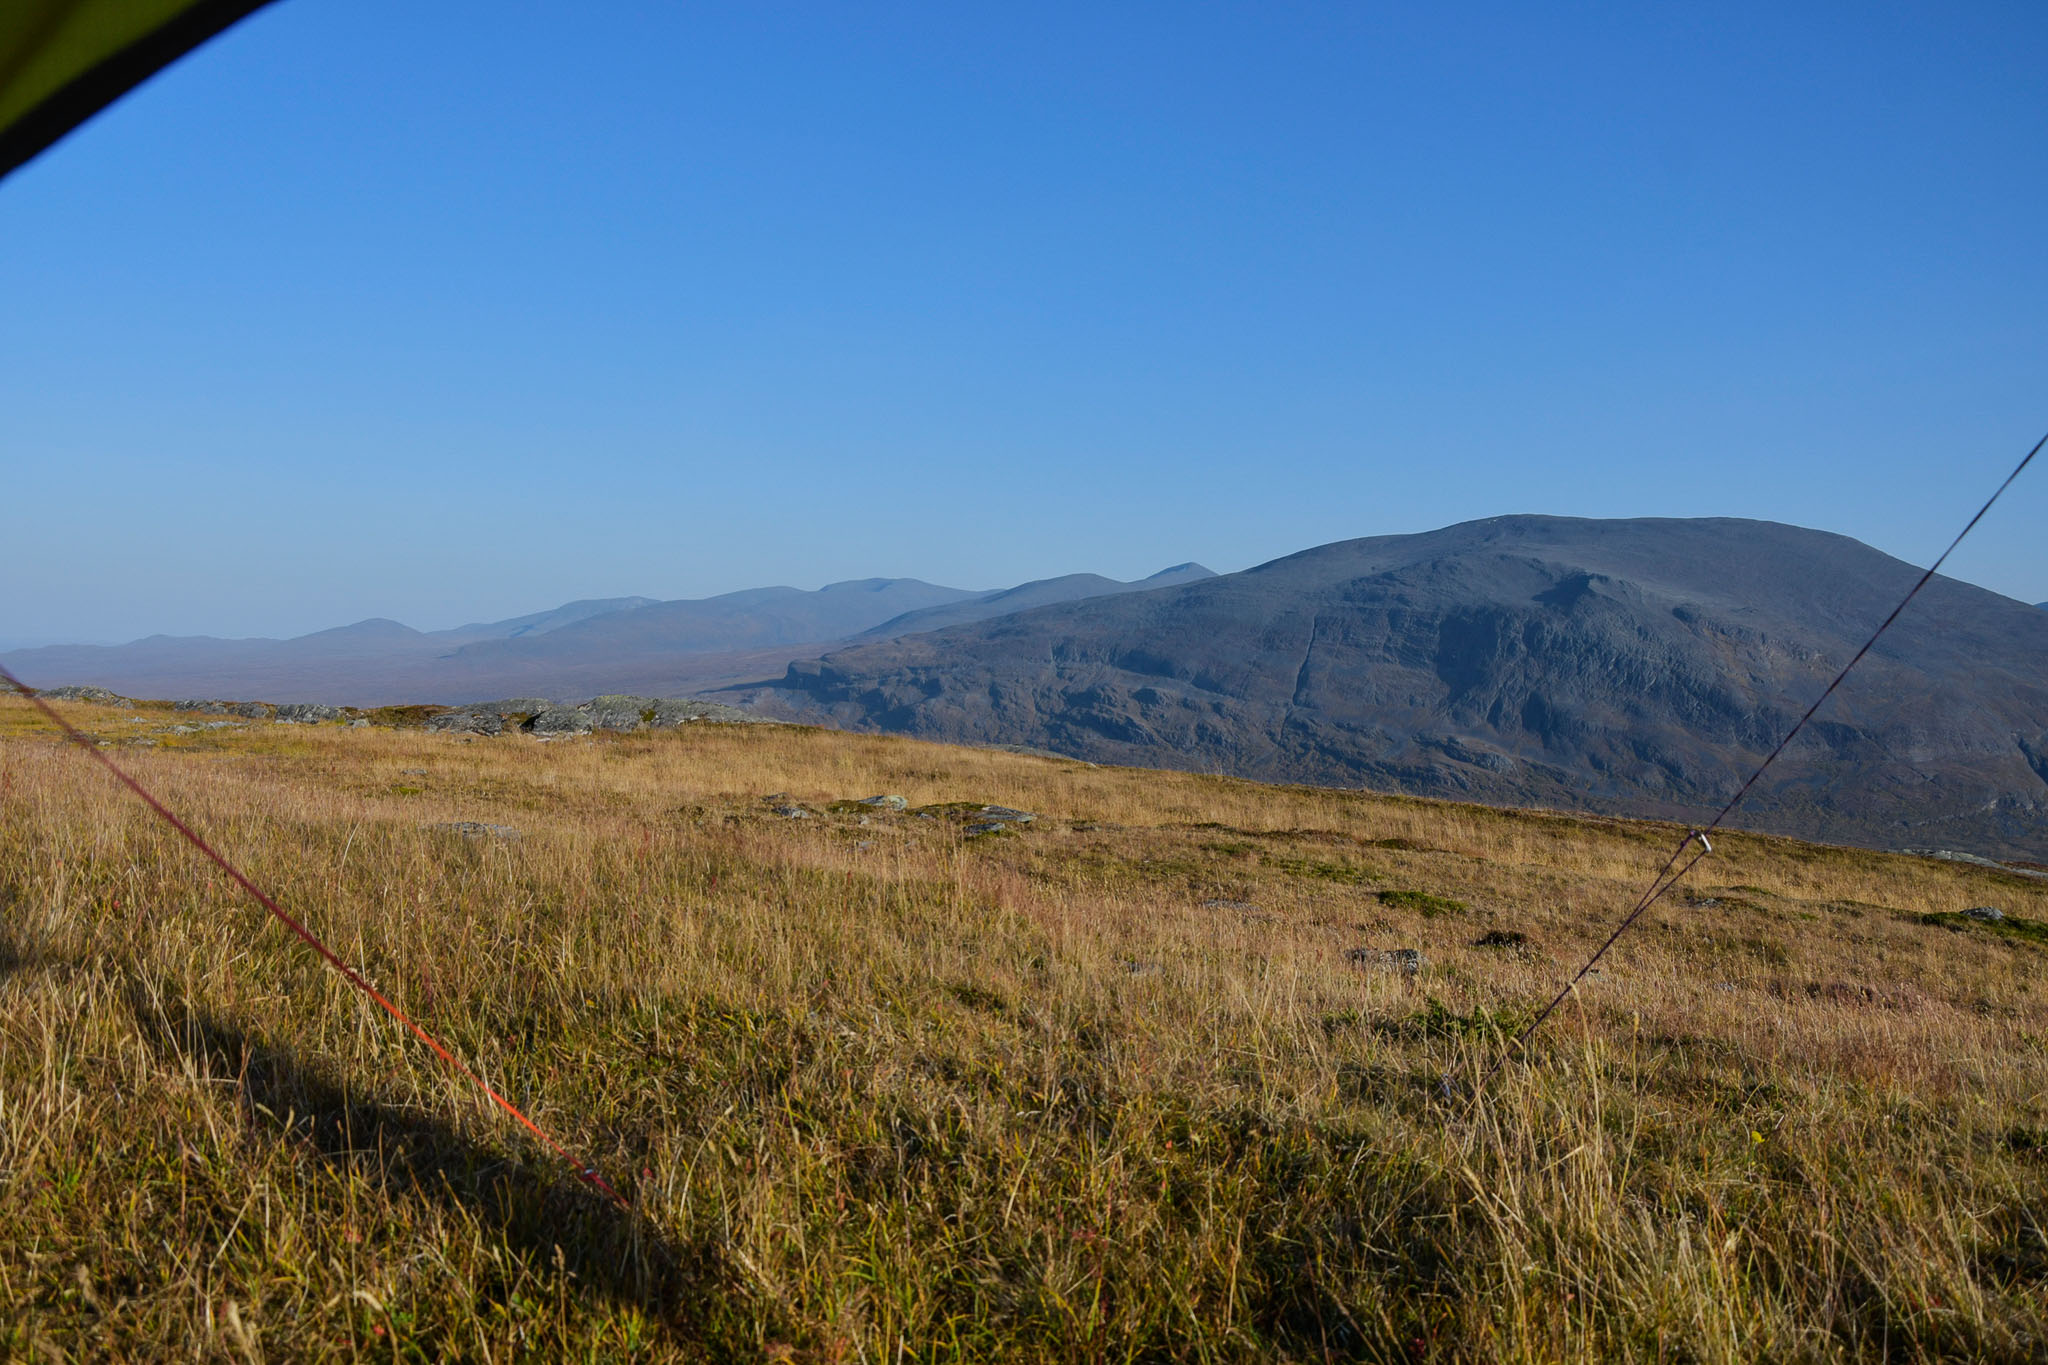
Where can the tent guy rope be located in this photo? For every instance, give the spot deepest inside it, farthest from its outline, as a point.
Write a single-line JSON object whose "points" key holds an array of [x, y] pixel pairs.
{"points": [[585, 1172], [1666, 878]]}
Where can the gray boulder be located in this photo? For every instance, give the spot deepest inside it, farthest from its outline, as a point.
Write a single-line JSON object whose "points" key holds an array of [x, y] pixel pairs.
{"points": [[559, 721], [308, 713], [253, 710], [618, 712], [468, 720], [97, 695], [673, 711]]}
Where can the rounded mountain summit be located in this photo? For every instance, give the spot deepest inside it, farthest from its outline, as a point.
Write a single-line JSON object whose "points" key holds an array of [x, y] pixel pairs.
{"points": [[1639, 666]]}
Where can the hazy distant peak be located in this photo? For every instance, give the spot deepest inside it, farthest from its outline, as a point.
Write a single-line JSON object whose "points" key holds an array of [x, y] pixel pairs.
{"points": [[371, 628], [852, 585], [1179, 573], [1039, 592], [540, 622]]}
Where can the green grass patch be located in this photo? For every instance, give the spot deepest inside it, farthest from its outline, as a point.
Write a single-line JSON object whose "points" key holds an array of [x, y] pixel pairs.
{"points": [[1422, 903], [1438, 1020], [1320, 869], [980, 999], [2012, 926]]}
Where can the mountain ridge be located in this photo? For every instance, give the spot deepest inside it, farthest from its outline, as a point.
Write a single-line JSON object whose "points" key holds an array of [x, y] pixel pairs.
{"points": [[1636, 665], [585, 647]]}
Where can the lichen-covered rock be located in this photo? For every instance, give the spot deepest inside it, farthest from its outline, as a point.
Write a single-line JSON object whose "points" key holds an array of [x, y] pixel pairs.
{"points": [[674, 711], [98, 695], [308, 713], [559, 721], [618, 712], [469, 720]]}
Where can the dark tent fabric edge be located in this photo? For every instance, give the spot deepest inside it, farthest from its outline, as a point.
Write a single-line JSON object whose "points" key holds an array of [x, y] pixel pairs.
{"points": [[114, 76]]}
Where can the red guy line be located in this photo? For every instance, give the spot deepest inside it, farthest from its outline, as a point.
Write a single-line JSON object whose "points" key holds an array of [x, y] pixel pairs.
{"points": [[588, 1174]]}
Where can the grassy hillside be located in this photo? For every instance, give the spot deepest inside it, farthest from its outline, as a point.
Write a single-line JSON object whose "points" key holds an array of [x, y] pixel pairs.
{"points": [[892, 1091]]}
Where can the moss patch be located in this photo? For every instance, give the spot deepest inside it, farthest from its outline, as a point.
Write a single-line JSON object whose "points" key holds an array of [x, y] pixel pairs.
{"points": [[1424, 904]]}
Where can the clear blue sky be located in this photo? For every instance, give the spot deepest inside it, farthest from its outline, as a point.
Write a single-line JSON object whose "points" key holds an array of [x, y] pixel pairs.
{"points": [[453, 311]]}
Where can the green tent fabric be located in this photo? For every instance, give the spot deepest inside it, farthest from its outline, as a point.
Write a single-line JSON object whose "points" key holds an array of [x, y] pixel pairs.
{"points": [[62, 61]]}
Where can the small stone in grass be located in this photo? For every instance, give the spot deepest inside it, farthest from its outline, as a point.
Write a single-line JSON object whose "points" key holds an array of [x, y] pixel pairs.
{"points": [[1407, 961], [477, 829]]}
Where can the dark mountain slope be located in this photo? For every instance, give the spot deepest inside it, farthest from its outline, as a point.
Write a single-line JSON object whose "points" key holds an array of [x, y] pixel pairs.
{"points": [[1621, 665], [1071, 587]]}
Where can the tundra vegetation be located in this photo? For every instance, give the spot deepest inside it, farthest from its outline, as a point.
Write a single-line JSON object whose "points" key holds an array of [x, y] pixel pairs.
{"points": [[1111, 1085]]}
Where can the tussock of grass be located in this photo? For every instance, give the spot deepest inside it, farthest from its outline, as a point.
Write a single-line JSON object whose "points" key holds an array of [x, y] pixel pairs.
{"points": [[1028, 1099]]}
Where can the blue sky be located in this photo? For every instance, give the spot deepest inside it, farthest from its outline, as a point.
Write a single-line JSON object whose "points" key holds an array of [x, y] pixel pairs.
{"points": [[450, 312]]}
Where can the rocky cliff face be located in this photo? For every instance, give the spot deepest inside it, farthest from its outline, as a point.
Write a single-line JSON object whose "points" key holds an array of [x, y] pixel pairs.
{"points": [[1640, 666]]}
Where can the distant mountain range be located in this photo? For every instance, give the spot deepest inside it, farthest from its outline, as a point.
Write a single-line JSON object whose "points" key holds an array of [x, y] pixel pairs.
{"points": [[620, 644], [1637, 666]]}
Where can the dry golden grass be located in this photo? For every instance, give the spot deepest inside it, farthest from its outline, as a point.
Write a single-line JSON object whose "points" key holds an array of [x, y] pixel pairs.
{"points": [[884, 1092]]}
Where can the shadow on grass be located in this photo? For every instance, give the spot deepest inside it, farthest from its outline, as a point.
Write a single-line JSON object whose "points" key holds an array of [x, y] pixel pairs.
{"points": [[14, 956], [541, 1211]]}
